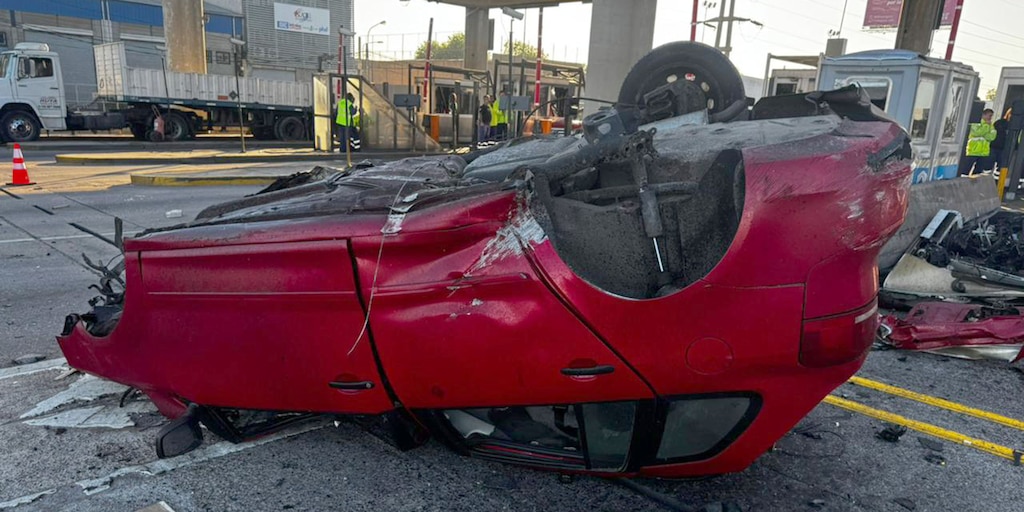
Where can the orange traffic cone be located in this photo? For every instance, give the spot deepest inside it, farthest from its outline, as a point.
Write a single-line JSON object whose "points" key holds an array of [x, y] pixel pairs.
{"points": [[20, 173]]}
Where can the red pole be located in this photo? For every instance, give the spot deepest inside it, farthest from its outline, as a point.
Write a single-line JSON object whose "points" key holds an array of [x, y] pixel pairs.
{"points": [[953, 29], [693, 21], [540, 56], [426, 67]]}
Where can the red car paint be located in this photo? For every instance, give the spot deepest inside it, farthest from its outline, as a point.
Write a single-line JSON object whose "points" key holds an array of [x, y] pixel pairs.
{"points": [[466, 303], [942, 325]]}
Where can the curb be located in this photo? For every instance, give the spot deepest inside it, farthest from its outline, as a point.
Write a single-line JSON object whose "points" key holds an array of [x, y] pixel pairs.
{"points": [[200, 181], [320, 157]]}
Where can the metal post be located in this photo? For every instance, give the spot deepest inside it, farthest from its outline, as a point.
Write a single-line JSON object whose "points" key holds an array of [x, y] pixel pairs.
{"points": [[693, 21], [426, 67], [728, 36], [540, 57], [344, 91], [508, 103], [954, 28], [238, 97], [341, 55], [718, 31]]}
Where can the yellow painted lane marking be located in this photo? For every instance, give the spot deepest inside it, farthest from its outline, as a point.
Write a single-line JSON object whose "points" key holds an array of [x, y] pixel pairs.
{"points": [[926, 428], [938, 402]]}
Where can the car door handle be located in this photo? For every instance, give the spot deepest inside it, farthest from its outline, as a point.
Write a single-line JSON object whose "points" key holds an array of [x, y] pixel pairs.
{"points": [[602, 369], [54, 88], [352, 386]]}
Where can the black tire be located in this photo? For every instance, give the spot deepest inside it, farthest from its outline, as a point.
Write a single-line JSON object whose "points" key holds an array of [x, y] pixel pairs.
{"points": [[685, 60], [290, 128], [20, 126], [176, 127]]}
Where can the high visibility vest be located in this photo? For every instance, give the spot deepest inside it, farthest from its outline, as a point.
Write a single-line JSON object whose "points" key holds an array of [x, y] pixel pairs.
{"points": [[346, 116], [981, 137], [497, 115]]}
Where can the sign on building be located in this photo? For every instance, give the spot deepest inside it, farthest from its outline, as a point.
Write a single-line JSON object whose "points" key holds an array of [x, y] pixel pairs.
{"points": [[297, 18], [886, 13]]}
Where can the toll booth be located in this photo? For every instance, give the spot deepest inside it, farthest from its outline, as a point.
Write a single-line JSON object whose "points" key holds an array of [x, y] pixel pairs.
{"points": [[930, 98]]}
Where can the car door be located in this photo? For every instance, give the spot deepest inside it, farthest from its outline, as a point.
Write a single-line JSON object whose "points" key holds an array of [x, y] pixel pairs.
{"points": [[36, 83]]}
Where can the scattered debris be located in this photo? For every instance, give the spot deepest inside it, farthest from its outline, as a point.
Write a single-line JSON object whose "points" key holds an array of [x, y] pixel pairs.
{"points": [[905, 503], [29, 359], [816, 503], [722, 506], [25, 500], [936, 459], [968, 331], [891, 433], [159, 506], [930, 444], [59, 206], [173, 214], [66, 373], [85, 389]]}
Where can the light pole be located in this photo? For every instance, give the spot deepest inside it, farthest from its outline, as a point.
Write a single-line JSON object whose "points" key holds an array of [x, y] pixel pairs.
{"points": [[514, 15], [239, 45], [369, 69], [367, 54]]}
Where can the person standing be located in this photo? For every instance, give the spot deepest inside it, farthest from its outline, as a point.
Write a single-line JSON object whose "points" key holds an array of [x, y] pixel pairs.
{"points": [[996, 148], [979, 143], [499, 121], [483, 122], [348, 122]]}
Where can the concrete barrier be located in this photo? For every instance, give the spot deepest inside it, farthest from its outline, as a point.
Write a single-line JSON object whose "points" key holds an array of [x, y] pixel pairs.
{"points": [[972, 197]]}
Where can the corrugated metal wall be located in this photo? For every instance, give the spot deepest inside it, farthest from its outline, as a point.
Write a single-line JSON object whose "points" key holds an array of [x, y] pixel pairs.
{"points": [[275, 49]]}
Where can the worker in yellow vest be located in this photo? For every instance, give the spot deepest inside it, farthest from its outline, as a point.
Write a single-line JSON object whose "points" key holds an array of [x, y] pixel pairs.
{"points": [[978, 158], [499, 121], [348, 122]]}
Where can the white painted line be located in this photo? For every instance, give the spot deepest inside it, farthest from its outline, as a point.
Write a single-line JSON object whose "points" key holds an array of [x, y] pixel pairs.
{"points": [[160, 466], [28, 369], [25, 500], [85, 389]]}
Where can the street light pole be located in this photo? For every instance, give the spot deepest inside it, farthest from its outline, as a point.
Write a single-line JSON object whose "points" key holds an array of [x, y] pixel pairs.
{"points": [[514, 15], [367, 54]]}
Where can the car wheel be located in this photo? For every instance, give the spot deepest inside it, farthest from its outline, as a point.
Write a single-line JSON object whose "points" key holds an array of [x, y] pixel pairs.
{"points": [[290, 128], [20, 126], [176, 127], [684, 60]]}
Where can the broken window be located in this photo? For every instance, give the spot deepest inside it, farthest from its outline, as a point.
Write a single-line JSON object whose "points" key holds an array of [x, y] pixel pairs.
{"points": [[878, 88], [698, 427], [593, 436]]}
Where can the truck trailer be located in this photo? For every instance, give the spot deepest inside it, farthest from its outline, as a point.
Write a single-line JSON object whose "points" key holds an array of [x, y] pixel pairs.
{"points": [[32, 99]]}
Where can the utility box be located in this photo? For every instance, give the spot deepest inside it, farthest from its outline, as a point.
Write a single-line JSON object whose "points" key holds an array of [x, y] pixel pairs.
{"points": [[929, 98]]}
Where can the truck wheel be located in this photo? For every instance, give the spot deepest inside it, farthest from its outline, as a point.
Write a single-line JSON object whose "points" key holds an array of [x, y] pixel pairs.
{"points": [[176, 127], [20, 126], [290, 128]]}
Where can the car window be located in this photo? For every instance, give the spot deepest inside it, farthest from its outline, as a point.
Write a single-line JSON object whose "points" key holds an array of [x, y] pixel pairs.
{"points": [[35, 67], [878, 88], [955, 109], [5, 61]]}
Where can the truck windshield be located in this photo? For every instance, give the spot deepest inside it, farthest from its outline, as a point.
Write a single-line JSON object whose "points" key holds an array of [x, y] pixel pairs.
{"points": [[5, 59]]}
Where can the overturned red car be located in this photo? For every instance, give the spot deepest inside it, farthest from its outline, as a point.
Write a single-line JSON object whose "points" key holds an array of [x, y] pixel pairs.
{"points": [[665, 294]]}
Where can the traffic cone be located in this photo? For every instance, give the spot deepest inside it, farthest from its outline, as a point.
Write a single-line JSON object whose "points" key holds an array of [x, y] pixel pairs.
{"points": [[20, 173]]}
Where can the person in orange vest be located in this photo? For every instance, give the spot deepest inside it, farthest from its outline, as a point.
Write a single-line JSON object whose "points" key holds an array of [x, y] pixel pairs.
{"points": [[978, 158]]}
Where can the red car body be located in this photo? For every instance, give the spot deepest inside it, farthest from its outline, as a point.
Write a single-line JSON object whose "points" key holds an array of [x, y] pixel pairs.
{"points": [[469, 303]]}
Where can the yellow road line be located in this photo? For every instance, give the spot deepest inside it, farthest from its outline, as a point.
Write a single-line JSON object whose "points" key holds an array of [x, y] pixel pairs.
{"points": [[926, 428], [938, 402]]}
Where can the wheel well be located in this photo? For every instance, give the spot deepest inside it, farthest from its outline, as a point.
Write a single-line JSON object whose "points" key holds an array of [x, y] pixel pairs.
{"points": [[14, 107]]}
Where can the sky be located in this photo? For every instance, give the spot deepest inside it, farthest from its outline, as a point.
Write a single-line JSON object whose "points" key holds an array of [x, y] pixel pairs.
{"points": [[987, 40]]}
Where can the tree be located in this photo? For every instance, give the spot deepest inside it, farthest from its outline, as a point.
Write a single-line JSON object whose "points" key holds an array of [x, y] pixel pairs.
{"points": [[453, 48], [990, 95]]}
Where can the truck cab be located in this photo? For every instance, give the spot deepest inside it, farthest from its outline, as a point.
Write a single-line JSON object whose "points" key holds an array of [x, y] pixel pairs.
{"points": [[31, 92]]}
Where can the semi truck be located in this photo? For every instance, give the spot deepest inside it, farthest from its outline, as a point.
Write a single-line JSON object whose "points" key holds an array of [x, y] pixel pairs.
{"points": [[153, 103]]}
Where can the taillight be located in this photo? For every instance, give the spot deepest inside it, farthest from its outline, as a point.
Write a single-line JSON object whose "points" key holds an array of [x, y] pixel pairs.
{"points": [[838, 339]]}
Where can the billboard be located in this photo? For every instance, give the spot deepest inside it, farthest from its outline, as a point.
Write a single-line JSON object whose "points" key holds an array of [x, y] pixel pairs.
{"points": [[886, 13], [298, 18]]}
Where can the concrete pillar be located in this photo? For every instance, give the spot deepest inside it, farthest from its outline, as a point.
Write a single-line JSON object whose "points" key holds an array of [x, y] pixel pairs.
{"points": [[917, 24], [478, 34], [620, 33], [185, 36]]}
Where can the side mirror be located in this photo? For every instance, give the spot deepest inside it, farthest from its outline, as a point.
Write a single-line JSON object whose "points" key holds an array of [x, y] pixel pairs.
{"points": [[180, 436]]}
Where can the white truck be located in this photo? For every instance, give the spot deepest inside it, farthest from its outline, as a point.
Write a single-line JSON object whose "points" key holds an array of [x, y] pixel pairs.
{"points": [[32, 99]]}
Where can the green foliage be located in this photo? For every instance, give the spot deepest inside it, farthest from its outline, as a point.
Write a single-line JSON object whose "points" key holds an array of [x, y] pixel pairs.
{"points": [[455, 48]]}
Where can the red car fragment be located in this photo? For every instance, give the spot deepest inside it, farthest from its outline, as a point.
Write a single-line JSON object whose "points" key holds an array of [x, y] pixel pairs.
{"points": [[960, 330]]}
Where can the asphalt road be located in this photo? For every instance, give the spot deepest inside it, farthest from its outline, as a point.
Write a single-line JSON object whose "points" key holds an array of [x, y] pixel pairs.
{"points": [[833, 462]]}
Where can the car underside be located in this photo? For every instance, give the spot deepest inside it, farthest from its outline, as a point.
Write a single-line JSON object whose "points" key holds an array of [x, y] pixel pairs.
{"points": [[665, 294]]}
